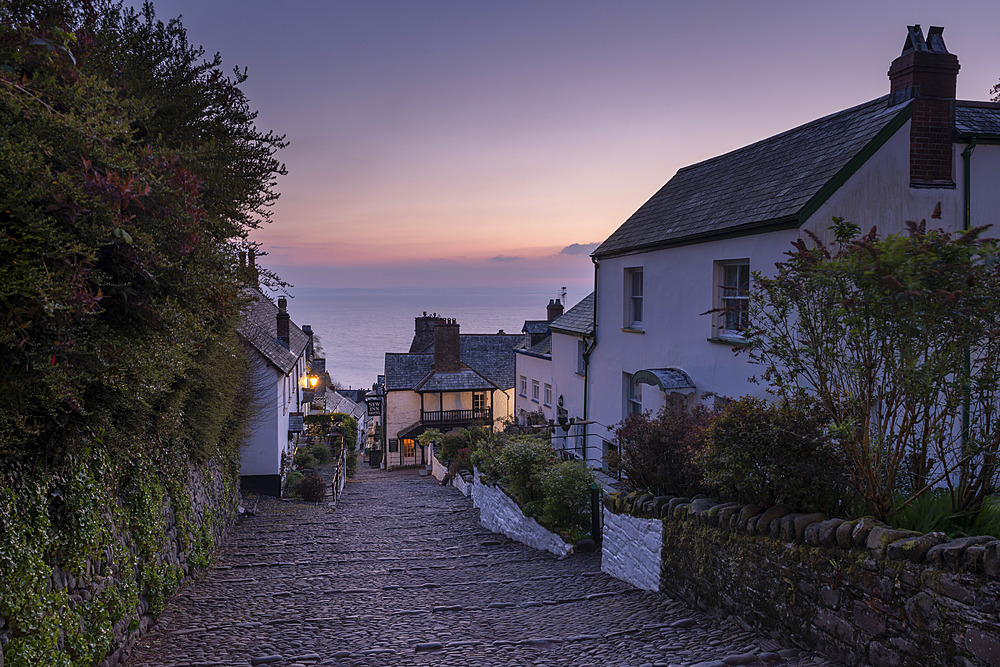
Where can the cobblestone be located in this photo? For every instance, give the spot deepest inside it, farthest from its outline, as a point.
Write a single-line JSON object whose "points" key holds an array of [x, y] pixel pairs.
{"points": [[401, 573]]}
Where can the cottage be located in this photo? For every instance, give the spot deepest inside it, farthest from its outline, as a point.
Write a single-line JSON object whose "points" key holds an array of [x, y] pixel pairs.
{"points": [[673, 280], [448, 380], [277, 353]]}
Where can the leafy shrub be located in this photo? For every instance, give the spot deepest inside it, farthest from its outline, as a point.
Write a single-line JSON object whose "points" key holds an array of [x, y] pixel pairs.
{"points": [[311, 488], [932, 511], [462, 461], [291, 479], [566, 490], [304, 459], [522, 462], [321, 453], [657, 453], [766, 453]]}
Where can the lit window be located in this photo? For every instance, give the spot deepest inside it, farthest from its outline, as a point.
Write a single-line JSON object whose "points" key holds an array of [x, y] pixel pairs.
{"points": [[734, 297], [409, 450], [548, 394], [524, 386], [633, 298], [534, 390]]}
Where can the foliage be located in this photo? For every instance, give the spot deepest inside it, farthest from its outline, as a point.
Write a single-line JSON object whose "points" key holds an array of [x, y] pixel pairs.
{"points": [[896, 338], [432, 435], [311, 488], [321, 453], [658, 453], [566, 492], [349, 426], [932, 511], [461, 461], [291, 479], [132, 173], [303, 459], [763, 453], [522, 462]]}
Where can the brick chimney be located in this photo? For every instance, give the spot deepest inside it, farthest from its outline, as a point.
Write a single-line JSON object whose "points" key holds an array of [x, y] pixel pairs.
{"points": [[926, 73], [447, 355], [423, 332], [283, 321], [554, 309]]}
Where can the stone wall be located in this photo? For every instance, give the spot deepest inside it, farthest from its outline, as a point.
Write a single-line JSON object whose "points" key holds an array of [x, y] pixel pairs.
{"points": [[463, 481], [500, 514], [631, 550], [858, 591], [96, 605]]}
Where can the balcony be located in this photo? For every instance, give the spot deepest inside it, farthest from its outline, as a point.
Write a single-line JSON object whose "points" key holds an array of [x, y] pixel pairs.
{"points": [[434, 417]]}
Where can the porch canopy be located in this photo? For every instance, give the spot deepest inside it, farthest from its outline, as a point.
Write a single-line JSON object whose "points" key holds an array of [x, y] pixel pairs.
{"points": [[670, 380]]}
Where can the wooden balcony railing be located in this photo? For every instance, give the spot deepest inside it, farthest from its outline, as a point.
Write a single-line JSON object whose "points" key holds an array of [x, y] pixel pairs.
{"points": [[457, 416]]}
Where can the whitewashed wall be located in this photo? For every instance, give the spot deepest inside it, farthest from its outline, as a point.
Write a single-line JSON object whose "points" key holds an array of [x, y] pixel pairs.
{"points": [[500, 514], [632, 550]]}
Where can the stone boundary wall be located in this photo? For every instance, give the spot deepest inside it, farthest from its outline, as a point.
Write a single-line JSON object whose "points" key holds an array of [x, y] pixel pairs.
{"points": [[439, 470], [631, 550], [858, 591], [500, 514]]}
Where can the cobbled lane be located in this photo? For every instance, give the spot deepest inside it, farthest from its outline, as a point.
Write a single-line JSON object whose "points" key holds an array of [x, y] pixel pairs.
{"points": [[401, 573]]}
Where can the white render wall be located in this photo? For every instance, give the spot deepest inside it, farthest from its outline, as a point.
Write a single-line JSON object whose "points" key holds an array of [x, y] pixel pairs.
{"points": [[632, 550], [500, 514], [262, 454], [679, 283], [533, 369]]}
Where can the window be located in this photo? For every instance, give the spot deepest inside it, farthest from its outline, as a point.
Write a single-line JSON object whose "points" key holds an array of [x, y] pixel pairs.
{"points": [[479, 401], [633, 395], [581, 360], [734, 297], [409, 448], [524, 386], [534, 390], [548, 394], [633, 298]]}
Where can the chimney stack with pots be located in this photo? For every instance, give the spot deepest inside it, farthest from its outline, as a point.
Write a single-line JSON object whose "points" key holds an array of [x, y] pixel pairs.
{"points": [[927, 74], [447, 353], [554, 309], [283, 321]]}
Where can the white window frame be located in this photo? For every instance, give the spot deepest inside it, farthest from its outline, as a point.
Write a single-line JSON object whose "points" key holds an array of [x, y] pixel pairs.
{"points": [[631, 396], [480, 398], [548, 395], [524, 386], [732, 297], [633, 295], [534, 391]]}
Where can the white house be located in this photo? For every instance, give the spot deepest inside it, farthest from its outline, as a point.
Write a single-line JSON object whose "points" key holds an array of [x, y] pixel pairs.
{"points": [[277, 356], [532, 360], [572, 336], [690, 248], [447, 381]]}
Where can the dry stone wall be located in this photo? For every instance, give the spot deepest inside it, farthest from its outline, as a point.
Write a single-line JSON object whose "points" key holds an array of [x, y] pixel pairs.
{"points": [[859, 591]]}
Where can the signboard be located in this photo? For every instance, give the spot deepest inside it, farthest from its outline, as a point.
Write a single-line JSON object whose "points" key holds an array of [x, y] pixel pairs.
{"points": [[393, 445], [295, 422], [374, 407]]}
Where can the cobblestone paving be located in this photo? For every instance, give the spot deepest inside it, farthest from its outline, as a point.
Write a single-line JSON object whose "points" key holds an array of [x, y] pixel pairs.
{"points": [[401, 573]]}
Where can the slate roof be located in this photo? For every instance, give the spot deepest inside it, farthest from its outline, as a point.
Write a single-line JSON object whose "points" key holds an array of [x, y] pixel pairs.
{"points": [[490, 355], [577, 320], [464, 380], [977, 118], [260, 329], [535, 326], [763, 183], [405, 371], [337, 402]]}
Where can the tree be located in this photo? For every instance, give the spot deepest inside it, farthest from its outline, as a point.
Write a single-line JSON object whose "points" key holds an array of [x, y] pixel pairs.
{"points": [[132, 174], [897, 338]]}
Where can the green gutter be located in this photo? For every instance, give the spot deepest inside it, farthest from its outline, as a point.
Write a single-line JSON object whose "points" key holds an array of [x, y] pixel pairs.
{"points": [[967, 215], [586, 365]]}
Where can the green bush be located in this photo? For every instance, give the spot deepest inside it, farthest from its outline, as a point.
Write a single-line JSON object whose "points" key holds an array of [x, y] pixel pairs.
{"points": [[303, 459], [311, 488], [775, 453], [657, 453], [522, 463], [291, 479], [566, 491], [321, 453]]}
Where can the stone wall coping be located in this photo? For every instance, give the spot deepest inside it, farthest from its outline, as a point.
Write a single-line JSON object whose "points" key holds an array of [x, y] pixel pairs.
{"points": [[974, 555]]}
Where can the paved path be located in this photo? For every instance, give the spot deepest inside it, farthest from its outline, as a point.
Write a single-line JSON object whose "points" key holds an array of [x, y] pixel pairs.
{"points": [[401, 573]]}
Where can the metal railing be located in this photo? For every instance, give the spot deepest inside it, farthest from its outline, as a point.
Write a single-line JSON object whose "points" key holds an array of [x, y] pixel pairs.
{"points": [[456, 416]]}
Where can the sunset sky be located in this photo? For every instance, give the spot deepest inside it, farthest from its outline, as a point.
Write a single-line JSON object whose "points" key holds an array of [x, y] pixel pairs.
{"points": [[444, 143]]}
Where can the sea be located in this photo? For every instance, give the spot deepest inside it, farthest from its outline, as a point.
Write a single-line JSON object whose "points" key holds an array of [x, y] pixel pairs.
{"points": [[357, 326]]}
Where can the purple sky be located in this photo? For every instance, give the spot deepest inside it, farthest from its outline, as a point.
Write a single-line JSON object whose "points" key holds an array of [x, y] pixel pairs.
{"points": [[470, 143]]}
